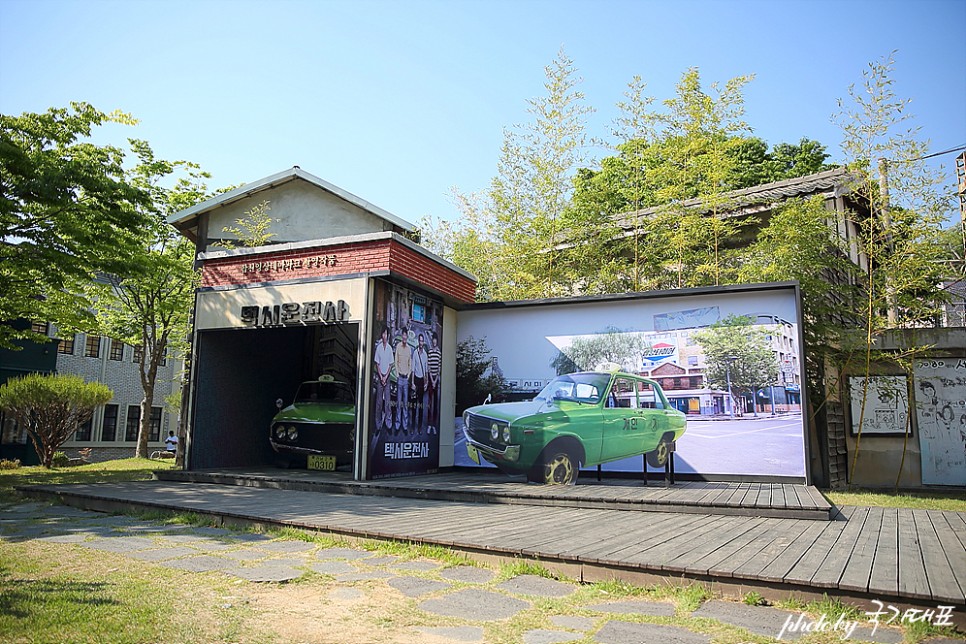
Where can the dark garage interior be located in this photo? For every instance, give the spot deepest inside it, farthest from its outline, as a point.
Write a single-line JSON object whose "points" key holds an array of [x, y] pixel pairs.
{"points": [[241, 373]]}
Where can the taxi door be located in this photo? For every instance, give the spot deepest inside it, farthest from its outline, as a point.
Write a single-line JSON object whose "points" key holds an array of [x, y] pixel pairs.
{"points": [[623, 420]]}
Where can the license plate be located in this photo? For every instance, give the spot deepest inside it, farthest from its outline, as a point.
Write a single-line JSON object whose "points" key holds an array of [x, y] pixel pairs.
{"points": [[473, 454], [317, 462]]}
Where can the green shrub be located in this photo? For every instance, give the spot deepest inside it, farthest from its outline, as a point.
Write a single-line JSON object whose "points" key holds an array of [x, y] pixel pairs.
{"points": [[51, 407], [9, 465], [60, 459]]}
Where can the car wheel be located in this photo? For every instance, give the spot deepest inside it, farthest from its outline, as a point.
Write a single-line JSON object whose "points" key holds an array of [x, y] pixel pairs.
{"points": [[557, 467], [659, 456]]}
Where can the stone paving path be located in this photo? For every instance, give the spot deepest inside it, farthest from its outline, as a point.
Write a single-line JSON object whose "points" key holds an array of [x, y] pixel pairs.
{"points": [[469, 596]]}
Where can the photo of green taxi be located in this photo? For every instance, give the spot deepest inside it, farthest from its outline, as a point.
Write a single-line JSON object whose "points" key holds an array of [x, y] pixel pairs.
{"points": [[318, 429], [578, 419]]}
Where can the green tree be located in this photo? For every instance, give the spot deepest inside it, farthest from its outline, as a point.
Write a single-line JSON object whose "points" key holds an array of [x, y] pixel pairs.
{"points": [[798, 244], [468, 243], [688, 148], [902, 237], [67, 212], [475, 377], [738, 351], [51, 407], [908, 201], [150, 309], [613, 346], [517, 221], [254, 229]]}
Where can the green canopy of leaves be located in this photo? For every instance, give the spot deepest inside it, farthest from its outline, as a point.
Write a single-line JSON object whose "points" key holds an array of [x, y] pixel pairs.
{"points": [[67, 212], [735, 349]]}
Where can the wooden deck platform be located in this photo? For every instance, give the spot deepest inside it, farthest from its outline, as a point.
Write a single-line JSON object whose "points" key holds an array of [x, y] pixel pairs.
{"points": [[910, 557], [778, 500]]}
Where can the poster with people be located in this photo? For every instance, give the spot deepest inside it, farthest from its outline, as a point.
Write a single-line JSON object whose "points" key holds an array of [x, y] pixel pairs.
{"points": [[405, 395]]}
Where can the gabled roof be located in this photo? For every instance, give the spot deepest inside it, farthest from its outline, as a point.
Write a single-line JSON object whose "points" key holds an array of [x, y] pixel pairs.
{"points": [[835, 182], [187, 218]]}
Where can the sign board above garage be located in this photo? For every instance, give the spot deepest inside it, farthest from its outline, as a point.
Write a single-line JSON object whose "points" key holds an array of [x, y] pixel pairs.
{"points": [[282, 305]]}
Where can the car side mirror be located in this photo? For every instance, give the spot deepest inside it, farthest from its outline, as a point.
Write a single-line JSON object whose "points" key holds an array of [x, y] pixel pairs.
{"points": [[278, 403]]}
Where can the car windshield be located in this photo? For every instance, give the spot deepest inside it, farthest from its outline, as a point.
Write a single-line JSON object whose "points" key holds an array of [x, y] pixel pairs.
{"points": [[576, 387], [325, 392]]}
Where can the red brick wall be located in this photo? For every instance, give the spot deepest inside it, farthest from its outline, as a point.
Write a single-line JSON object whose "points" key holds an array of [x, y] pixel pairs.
{"points": [[343, 259], [307, 262], [406, 261]]}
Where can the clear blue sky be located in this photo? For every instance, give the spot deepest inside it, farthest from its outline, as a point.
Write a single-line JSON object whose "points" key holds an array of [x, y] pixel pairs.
{"points": [[398, 102]]}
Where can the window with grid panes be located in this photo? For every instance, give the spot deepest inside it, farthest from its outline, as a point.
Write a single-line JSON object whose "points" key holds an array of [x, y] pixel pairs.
{"points": [[83, 432], [131, 427], [117, 350], [93, 347], [66, 345], [155, 433], [109, 424], [138, 355], [40, 327]]}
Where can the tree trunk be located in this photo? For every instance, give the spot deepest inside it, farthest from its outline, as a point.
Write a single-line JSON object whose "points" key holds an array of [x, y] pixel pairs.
{"points": [[148, 378], [144, 427]]}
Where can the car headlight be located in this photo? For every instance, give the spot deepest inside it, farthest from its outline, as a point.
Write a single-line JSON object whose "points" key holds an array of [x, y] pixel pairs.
{"points": [[279, 431], [495, 431], [506, 434], [293, 433]]}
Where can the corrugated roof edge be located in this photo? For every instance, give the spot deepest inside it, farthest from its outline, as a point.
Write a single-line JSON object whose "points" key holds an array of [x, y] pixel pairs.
{"points": [[832, 179], [295, 172]]}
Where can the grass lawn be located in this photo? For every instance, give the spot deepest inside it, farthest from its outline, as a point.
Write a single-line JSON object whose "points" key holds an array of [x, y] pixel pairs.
{"points": [[128, 469], [953, 502]]}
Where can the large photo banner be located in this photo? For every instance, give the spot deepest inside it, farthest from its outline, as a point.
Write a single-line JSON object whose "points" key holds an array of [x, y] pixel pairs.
{"points": [[404, 410], [728, 362]]}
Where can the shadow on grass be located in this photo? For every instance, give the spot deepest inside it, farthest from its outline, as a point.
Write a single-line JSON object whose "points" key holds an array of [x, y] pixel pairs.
{"points": [[140, 469], [20, 598]]}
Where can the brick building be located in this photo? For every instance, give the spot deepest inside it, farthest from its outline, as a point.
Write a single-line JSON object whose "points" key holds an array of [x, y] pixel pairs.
{"points": [[112, 431], [338, 275]]}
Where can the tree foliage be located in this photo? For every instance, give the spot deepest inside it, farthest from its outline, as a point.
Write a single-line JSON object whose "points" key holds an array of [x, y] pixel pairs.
{"points": [[51, 407], [150, 309], [611, 347], [475, 377], [693, 146], [735, 349], [254, 228], [548, 227], [67, 212], [903, 237], [513, 228], [798, 244]]}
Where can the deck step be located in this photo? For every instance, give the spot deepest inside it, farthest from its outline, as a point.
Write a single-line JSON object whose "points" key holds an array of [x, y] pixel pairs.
{"points": [[773, 500]]}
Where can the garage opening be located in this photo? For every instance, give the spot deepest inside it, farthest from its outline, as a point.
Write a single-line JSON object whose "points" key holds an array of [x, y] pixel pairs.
{"points": [[242, 373]]}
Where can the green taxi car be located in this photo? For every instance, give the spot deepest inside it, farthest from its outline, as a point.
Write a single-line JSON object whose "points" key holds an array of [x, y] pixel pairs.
{"points": [[318, 428], [579, 419]]}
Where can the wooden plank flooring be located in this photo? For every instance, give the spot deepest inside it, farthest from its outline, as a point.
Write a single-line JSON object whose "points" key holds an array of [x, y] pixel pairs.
{"points": [[884, 553], [782, 500]]}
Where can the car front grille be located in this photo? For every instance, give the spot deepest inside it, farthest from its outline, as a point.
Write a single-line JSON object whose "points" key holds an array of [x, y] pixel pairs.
{"points": [[334, 437], [478, 428]]}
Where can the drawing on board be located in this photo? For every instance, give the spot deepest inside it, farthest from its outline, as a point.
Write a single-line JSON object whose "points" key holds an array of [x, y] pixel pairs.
{"points": [[940, 391], [886, 408]]}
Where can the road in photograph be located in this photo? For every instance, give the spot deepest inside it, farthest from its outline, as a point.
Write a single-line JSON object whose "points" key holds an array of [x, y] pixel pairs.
{"points": [[763, 446]]}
